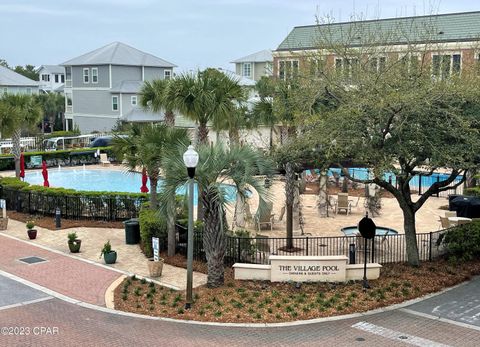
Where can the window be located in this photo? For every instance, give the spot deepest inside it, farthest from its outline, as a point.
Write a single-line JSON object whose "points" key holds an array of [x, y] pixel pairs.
{"points": [[167, 74], [444, 65], [94, 75], [56, 78], [29, 91], [46, 77], [133, 100], [411, 62], [62, 78], [5, 90], [287, 69], [68, 73], [114, 103], [347, 66], [68, 102], [377, 64], [316, 66], [86, 75], [246, 69]]}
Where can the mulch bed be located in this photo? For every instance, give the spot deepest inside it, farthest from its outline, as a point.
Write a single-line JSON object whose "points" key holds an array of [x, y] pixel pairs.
{"points": [[48, 222], [262, 301]]}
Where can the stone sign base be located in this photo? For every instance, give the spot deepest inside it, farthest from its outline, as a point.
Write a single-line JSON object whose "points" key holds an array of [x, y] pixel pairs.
{"points": [[306, 269]]}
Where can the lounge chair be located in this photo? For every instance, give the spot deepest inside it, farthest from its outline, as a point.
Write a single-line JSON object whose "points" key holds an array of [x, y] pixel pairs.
{"points": [[104, 159], [266, 217], [343, 203]]}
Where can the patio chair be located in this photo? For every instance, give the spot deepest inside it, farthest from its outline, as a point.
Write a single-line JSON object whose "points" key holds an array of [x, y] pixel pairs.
{"points": [[444, 223], [262, 246], [461, 222], [265, 218], [343, 203], [104, 159]]}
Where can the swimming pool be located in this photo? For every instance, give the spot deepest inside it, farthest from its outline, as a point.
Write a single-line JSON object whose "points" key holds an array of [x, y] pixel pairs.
{"points": [[105, 181], [380, 231], [363, 173]]}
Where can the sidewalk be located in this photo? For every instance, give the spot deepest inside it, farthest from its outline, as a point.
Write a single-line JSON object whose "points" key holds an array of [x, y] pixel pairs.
{"points": [[65, 275], [130, 259]]}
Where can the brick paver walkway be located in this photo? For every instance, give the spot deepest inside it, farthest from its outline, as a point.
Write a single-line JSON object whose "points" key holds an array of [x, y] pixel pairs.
{"points": [[74, 278]]}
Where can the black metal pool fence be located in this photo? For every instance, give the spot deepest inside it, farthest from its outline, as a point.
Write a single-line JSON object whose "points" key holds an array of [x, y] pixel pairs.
{"points": [[108, 207], [382, 249]]}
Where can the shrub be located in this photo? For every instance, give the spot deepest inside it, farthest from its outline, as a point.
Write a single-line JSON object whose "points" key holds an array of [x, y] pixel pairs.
{"points": [[152, 224], [463, 242]]}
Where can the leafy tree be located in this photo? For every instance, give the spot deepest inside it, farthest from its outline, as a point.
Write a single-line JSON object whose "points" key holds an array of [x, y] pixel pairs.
{"points": [[18, 112], [390, 115], [53, 106], [218, 165], [154, 97], [27, 71], [4, 63]]}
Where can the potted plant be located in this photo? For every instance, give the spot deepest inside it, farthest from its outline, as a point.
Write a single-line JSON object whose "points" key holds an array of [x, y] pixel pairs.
{"points": [[74, 243], [109, 256], [155, 267], [32, 233]]}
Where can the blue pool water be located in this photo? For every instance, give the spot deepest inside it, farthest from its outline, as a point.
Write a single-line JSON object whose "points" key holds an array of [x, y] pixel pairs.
{"points": [[362, 173], [105, 181], [380, 231]]}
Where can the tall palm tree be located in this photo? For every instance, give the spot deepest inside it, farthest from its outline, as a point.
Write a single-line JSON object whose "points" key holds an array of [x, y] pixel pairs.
{"points": [[153, 96], [53, 106], [22, 112], [207, 96], [217, 166]]}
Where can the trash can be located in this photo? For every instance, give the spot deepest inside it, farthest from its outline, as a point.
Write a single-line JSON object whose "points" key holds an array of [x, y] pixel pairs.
{"points": [[132, 232]]}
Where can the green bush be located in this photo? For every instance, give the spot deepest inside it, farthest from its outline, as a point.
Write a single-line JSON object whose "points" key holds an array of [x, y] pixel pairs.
{"points": [[152, 224], [463, 242], [475, 191]]}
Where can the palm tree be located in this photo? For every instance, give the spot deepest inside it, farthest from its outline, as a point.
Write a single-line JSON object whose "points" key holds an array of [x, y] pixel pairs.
{"points": [[145, 146], [217, 166], [208, 96], [19, 111], [153, 96], [53, 106]]}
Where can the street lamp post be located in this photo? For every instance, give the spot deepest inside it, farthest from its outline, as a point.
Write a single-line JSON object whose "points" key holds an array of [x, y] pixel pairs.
{"points": [[190, 158]]}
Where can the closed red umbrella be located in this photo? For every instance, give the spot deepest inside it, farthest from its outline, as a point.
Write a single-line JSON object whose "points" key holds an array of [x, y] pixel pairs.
{"points": [[22, 166], [144, 188], [45, 174]]}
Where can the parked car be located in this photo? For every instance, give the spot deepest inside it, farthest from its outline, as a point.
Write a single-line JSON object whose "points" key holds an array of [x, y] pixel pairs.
{"points": [[103, 141]]}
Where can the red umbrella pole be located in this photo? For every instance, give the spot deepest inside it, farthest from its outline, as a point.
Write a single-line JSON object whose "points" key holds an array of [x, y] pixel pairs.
{"points": [[45, 174], [22, 166], [144, 188]]}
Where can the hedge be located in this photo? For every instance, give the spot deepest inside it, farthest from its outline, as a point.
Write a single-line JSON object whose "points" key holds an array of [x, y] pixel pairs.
{"points": [[462, 243], [152, 224]]}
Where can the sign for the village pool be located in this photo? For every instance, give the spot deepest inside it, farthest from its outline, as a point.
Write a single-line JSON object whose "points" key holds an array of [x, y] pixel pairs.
{"points": [[287, 268]]}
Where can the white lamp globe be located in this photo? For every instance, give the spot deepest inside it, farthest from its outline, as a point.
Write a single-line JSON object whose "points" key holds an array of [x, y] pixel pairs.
{"points": [[190, 157]]}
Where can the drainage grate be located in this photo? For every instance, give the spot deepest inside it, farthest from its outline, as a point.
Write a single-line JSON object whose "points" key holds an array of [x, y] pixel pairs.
{"points": [[32, 260]]}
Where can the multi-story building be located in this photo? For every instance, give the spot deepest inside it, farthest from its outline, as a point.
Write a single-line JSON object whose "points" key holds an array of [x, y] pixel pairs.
{"points": [[255, 65], [102, 86], [51, 78], [447, 42], [14, 83]]}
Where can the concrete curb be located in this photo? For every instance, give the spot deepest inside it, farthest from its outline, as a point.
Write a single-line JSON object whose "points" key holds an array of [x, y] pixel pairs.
{"points": [[238, 325], [56, 251]]}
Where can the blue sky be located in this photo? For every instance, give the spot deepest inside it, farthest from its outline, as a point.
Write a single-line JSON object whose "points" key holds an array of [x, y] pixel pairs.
{"points": [[189, 33]]}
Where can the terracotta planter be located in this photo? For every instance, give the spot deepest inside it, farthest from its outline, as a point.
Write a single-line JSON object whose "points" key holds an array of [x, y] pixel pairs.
{"points": [[74, 246], [155, 267], [32, 234]]}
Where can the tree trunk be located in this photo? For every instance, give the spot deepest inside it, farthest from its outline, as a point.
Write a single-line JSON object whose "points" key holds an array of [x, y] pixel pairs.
{"points": [[471, 181], [202, 133], [271, 139], [239, 215], [345, 184], [16, 150], [153, 192], [410, 235], [322, 194], [289, 199], [234, 137], [169, 118], [214, 241], [171, 227]]}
